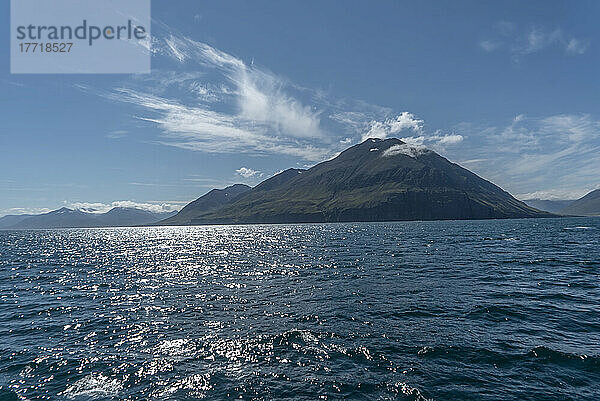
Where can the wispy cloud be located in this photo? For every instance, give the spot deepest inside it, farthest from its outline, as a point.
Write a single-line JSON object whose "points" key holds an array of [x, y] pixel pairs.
{"points": [[248, 172], [226, 105], [117, 134], [393, 126], [552, 154], [576, 46], [521, 42]]}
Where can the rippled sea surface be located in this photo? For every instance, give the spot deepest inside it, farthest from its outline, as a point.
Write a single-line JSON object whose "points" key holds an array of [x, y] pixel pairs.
{"points": [[473, 310]]}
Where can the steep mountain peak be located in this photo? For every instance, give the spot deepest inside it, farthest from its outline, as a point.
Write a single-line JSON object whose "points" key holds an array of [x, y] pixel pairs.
{"points": [[373, 148]]}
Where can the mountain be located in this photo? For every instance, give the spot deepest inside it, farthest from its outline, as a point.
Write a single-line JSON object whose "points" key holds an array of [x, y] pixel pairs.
{"points": [[69, 218], [61, 218], [377, 180], [12, 219], [213, 199], [552, 206], [589, 205]]}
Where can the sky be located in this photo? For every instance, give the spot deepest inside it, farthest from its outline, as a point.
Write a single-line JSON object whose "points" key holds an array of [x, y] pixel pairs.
{"points": [[242, 90]]}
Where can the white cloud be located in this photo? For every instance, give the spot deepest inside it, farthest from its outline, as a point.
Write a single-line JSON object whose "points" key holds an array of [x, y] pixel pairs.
{"points": [[447, 139], [392, 126], [99, 207], [411, 150], [436, 141], [262, 99], [408, 122], [414, 140], [248, 172]]}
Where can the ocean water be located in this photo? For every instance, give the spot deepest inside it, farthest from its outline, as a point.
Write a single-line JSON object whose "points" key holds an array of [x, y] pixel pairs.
{"points": [[454, 310]]}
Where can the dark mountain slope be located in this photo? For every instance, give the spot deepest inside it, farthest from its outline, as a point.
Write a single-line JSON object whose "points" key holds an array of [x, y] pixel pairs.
{"points": [[376, 180], [589, 205], [213, 199]]}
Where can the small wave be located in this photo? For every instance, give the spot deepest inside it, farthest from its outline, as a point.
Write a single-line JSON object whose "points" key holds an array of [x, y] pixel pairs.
{"points": [[496, 313], [413, 393], [539, 354], [177, 347], [500, 239], [559, 357], [93, 386], [295, 336], [195, 386], [579, 228]]}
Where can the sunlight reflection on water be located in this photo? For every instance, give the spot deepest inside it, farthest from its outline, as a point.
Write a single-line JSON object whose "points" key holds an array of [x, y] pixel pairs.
{"points": [[443, 310]]}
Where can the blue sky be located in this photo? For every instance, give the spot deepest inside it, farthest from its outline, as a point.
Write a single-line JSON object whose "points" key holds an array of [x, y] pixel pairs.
{"points": [[241, 90]]}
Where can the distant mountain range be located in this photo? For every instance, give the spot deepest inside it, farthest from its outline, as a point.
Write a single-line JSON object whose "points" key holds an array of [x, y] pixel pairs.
{"points": [[377, 180], [552, 206], [589, 205], [69, 218]]}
